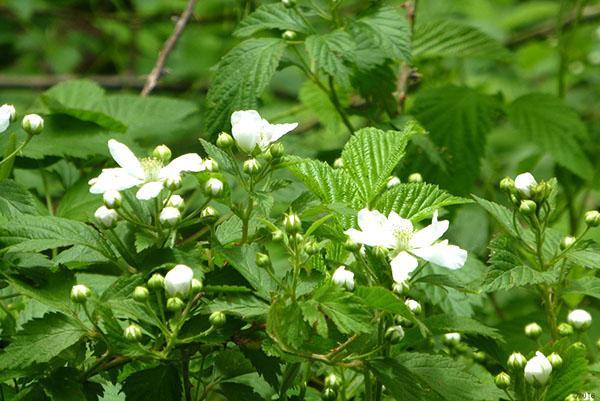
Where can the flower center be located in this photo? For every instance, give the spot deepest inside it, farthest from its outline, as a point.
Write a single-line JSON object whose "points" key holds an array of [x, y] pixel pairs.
{"points": [[151, 168], [403, 234]]}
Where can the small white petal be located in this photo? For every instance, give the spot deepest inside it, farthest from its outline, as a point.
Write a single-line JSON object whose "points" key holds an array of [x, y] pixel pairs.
{"points": [[125, 158], [343, 278], [5, 116], [272, 132], [429, 234], [443, 254], [116, 179], [178, 281], [397, 223], [402, 265], [246, 128], [188, 162], [149, 190], [524, 183]]}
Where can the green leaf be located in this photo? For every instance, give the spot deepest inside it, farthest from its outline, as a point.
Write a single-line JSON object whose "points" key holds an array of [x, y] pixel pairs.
{"points": [[557, 129], [112, 392], [35, 234], [416, 201], [588, 256], [329, 54], [242, 75], [160, 383], [458, 119], [502, 215], [320, 104], [225, 162], [371, 155], [589, 286], [244, 306], [78, 203], [448, 38], [570, 377], [383, 299], [401, 382], [45, 286], [40, 341], [440, 324], [329, 184], [15, 200], [387, 31], [344, 309], [520, 276], [285, 322], [272, 16]]}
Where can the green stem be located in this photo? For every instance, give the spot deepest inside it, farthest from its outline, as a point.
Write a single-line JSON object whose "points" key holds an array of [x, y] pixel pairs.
{"points": [[338, 106], [17, 150]]}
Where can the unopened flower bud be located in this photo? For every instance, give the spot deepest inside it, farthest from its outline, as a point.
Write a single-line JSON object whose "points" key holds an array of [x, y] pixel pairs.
{"points": [[9, 109], [567, 242], [225, 141], [394, 334], [277, 150], [209, 212], [351, 245], [338, 163], [140, 294], [156, 282], [565, 329], [277, 235], [289, 3], [533, 330], [538, 370], [502, 380], [80, 293], [289, 35], [213, 187], [106, 217], [516, 361], [507, 184], [112, 199], [170, 216], [178, 281], [162, 153], [262, 260], [173, 181], [401, 288], [579, 345], [176, 201], [555, 360], [415, 178], [329, 394], [311, 247], [251, 166], [527, 207], [332, 381], [217, 319], [211, 165], [592, 218], [175, 304], [298, 238], [479, 356], [133, 333], [197, 286], [381, 252], [524, 184], [580, 319], [343, 278], [392, 181], [414, 306], [451, 339], [292, 223], [33, 124]]}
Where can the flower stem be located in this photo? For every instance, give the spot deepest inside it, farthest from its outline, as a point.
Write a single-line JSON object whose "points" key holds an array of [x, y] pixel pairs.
{"points": [[16, 151]]}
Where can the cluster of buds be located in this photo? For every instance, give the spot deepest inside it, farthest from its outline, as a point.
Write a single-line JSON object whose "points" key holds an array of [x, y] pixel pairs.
{"points": [[179, 284], [33, 124], [526, 193], [536, 371]]}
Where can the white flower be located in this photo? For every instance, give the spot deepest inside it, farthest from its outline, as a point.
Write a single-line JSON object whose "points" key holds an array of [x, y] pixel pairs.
{"points": [[343, 278], [580, 319], [538, 369], [452, 338], [213, 187], [170, 216], [178, 281], [524, 183], [7, 114], [33, 124], [250, 130], [414, 306], [395, 233], [176, 201], [150, 172], [106, 217]]}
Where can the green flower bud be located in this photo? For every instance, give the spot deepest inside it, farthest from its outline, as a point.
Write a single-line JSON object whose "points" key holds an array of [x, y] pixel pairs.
{"points": [[451, 339], [80, 293], [516, 361], [112, 199], [329, 394], [173, 182], [332, 381], [140, 294], [533, 330], [225, 141], [351, 245], [338, 163], [209, 212], [565, 329], [394, 334], [33, 124], [592, 218], [217, 319], [156, 282], [252, 166], [392, 181], [415, 178], [507, 184], [527, 207], [401, 288], [262, 260], [502, 380], [292, 223], [175, 304], [381, 252], [572, 397], [567, 242], [414, 306], [133, 333], [579, 345], [162, 153], [211, 165], [277, 150], [277, 235], [555, 360], [289, 3], [479, 356], [598, 343], [196, 286], [311, 247], [289, 35]]}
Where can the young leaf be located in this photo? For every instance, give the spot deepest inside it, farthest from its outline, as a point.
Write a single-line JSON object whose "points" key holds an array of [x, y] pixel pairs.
{"points": [[285, 323], [520, 276], [502, 215], [329, 53], [344, 309], [570, 378], [272, 16]]}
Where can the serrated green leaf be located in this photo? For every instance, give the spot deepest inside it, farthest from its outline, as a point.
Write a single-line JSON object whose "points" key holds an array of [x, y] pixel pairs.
{"points": [[330, 53], [77, 203], [502, 215], [589, 286], [15, 200], [520, 276], [345, 310], [440, 324], [588, 256], [242, 75], [222, 158], [272, 16], [285, 322], [244, 306], [458, 119], [416, 201], [570, 377], [401, 382], [557, 129], [49, 288], [385, 300], [448, 38], [163, 380]]}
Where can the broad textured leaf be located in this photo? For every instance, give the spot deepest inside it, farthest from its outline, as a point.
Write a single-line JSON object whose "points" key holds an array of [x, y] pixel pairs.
{"points": [[458, 119], [557, 129], [401, 382], [320, 104], [78, 203], [440, 324], [49, 288], [244, 306], [222, 158], [500, 213], [242, 75], [286, 323], [416, 201], [272, 16], [371, 155], [448, 38], [15, 200], [520, 276], [588, 256], [570, 378], [163, 380], [589, 286], [383, 299], [344, 309], [40, 341], [330, 53]]}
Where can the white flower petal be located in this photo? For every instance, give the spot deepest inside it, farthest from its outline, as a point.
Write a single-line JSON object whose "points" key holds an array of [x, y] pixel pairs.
{"points": [[443, 254], [524, 183], [149, 190], [272, 132], [246, 128], [125, 158], [376, 231], [116, 179], [5, 115], [429, 234], [397, 223], [402, 265], [188, 162]]}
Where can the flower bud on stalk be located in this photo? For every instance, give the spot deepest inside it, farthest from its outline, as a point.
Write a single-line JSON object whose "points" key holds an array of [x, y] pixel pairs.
{"points": [[106, 217], [533, 330], [555, 360], [401, 288], [156, 282], [33, 124], [502, 380], [598, 344], [211, 165], [277, 150], [133, 333], [289, 35], [524, 184], [262, 260], [507, 184], [567, 242], [141, 294], [173, 181], [414, 306], [217, 319], [565, 329], [176, 201], [415, 178], [162, 153], [343, 278], [277, 235], [80, 293], [452, 339], [10, 110], [311, 247], [592, 218], [289, 3], [329, 394], [527, 207], [170, 216], [225, 141], [573, 397], [338, 163], [479, 356], [351, 245], [209, 212], [175, 304], [332, 381], [580, 319], [516, 361], [213, 187], [178, 281], [112, 199], [394, 334], [252, 166], [292, 223], [197, 286], [538, 370], [392, 181]]}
